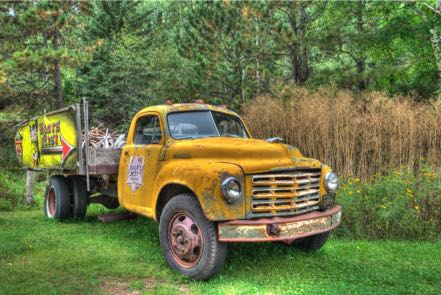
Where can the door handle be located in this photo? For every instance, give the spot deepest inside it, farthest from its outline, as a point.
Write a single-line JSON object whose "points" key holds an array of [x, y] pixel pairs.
{"points": [[126, 153]]}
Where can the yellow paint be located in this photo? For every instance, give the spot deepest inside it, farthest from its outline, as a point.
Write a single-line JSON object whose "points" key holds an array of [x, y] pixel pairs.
{"points": [[200, 165], [39, 141]]}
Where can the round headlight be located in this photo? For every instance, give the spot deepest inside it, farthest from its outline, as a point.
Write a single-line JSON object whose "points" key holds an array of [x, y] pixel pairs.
{"points": [[231, 189], [331, 182]]}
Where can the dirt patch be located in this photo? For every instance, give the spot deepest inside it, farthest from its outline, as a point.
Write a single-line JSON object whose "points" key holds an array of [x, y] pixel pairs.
{"points": [[113, 286], [133, 286]]}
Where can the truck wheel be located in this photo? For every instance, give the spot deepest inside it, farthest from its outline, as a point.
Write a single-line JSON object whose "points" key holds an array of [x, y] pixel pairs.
{"points": [[312, 243], [79, 196], [57, 198], [188, 240]]}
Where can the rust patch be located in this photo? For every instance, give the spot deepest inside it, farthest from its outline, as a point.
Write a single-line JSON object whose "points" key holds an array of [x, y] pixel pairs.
{"points": [[277, 228]]}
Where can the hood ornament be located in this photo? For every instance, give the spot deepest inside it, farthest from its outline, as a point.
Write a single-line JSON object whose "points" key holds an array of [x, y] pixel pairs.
{"points": [[274, 139]]}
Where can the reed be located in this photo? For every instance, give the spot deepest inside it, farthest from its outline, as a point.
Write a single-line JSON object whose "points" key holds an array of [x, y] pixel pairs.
{"points": [[358, 135]]}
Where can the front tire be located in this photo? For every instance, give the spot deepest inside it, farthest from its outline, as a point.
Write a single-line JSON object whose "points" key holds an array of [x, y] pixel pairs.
{"points": [[312, 243], [57, 198], [188, 240]]}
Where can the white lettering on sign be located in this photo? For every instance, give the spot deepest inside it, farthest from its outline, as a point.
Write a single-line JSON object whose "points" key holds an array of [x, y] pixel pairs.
{"points": [[135, 172]]}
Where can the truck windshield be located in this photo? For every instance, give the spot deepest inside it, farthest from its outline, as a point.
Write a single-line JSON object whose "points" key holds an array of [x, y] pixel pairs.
{"points": [[199, 124]]}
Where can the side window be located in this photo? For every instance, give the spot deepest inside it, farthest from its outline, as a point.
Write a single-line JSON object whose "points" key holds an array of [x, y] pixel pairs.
{"points": [[148, 130]]}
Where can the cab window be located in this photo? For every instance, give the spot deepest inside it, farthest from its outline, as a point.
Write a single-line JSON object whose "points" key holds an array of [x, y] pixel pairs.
{"points": [[148, 130]]}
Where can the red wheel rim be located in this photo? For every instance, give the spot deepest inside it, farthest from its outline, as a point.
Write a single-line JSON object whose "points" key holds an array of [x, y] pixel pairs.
{"points": [[185, 239], [51, 202]]}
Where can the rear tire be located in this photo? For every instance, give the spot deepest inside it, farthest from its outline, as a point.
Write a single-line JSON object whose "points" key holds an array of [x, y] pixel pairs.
{"points": [[79, 196], [188, 240], [57, 198], [312, 243]]}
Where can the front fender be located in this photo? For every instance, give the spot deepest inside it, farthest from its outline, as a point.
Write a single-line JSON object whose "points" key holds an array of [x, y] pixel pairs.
{"points": [[204, 180]]}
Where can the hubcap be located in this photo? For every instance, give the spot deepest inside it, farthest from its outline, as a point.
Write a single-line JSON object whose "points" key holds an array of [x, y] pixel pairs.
{"points": [[51, 202], [185, 238]]}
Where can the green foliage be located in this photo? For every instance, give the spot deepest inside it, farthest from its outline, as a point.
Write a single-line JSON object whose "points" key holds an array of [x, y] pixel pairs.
{"points": [[8, 118], [134, 63], [41, 38], [124, 55], [397, 206], [12, 191]]}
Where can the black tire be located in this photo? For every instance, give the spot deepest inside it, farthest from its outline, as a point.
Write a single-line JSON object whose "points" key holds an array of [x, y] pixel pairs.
{"points": [[211, 253], [79, 196], [110, 202], [57, 198], [312, 243]]}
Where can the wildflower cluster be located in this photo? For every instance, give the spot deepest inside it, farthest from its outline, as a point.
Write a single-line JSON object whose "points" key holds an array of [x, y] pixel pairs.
{"points": [[400, 205]]}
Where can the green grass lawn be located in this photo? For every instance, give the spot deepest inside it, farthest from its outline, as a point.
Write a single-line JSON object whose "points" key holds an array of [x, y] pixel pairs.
{"points": [[38, 255]]}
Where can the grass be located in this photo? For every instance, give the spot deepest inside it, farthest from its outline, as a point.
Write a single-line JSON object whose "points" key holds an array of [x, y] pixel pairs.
{"points": [[38, 255]]}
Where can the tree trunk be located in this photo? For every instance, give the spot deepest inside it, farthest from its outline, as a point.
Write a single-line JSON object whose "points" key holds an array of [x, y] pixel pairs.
{"points": [[294, 47], [257, 43], [360, 72], [30, 180], [305, 65], [294, 64], [360, 62], [59, 103], [435, 40], [303, 55]]}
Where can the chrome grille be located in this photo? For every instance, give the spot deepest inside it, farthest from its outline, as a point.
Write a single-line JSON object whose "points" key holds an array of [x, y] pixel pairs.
{"points": [[285, 193]]}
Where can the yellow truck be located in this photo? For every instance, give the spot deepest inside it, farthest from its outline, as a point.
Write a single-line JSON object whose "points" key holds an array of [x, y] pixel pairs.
{"points": [[193, 168]]}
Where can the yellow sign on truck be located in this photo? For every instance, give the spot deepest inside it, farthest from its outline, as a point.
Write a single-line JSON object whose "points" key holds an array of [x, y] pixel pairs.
{"points": [[193, 168], [49, 141]]}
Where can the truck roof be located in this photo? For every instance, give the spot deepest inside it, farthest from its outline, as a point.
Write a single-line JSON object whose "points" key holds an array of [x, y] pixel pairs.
{"points": [[182, 107]]}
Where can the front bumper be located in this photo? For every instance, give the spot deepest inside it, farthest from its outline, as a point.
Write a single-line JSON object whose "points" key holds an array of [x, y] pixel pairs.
{"points": [[278, 228]]}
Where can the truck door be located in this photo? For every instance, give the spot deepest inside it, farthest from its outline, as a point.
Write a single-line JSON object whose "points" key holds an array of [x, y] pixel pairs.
{"points": [[140, 162]]}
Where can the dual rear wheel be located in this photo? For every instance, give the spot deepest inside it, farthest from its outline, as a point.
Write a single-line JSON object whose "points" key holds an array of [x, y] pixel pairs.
{"points": [[65, 198]]}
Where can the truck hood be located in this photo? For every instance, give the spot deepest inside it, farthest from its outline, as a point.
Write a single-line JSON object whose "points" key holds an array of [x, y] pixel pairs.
{"points": [[252, 155]]}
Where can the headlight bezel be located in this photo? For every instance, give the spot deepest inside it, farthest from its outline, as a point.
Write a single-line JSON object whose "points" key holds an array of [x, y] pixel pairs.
{"points": [[331, 177], [228, 196]]}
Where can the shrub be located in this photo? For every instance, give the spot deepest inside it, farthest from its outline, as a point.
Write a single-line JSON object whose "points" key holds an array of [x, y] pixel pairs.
{"points": [[397, 206], [12, 190]]}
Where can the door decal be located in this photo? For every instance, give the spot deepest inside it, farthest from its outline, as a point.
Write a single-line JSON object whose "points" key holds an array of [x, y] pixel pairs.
{"points": [[135, 172]]}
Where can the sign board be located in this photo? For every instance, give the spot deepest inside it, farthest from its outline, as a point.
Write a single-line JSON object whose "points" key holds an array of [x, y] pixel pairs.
{"points": [[49, 141]]}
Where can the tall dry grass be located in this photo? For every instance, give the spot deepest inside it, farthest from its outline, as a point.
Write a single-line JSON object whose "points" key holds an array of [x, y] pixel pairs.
{"points": [[358, 135]]}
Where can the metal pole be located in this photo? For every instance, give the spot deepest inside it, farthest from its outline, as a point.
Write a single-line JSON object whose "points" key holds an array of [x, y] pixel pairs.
{"points": [[30, 181], [80, 150], [86, 144]]}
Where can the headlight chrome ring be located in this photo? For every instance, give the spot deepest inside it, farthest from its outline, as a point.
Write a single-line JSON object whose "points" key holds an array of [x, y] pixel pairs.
{"points": [[231, 189], [331, 182]]}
